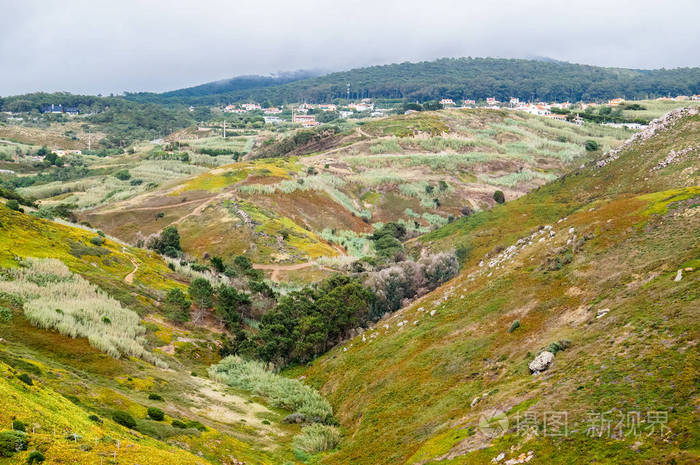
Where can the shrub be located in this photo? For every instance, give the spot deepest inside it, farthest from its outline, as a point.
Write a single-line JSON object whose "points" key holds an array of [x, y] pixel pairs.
{"points": [[242, 262], [558, 346], [467, 210], [196, 425], [122, 175], [12, 442], [95, 418], [499, 197], [12, 204], [18, 425], [35, 457], [154, 396], [592, 146], [5, 315], [179, 424], [124, 419], [155, 413], [26, 379], [97, 240], [514, 326], [317, 438]]}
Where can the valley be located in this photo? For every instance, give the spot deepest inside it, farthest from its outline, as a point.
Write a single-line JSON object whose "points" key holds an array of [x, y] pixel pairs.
{"points": [[440, 285]]}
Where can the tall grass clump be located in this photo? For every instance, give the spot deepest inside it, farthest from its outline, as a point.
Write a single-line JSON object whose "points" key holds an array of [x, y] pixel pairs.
{"points": [[281, 392], [440, 144], [386, 146], [355, 245], [513, 179], [317, 438], [55, 298], [185, 269], [378, 176]]}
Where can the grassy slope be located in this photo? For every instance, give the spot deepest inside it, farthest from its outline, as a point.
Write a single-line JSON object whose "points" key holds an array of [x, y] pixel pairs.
{"points": [[474, 151], [405, 394], [73, 380]]}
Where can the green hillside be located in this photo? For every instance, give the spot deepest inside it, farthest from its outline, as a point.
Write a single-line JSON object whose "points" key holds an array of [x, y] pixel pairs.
{"points": [[305, 195], [64, 384], [599, 268], [457, 78]]}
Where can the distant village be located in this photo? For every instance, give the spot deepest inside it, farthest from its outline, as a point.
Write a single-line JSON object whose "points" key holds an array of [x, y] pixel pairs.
{"points": [[308, 115], [305, 114]]}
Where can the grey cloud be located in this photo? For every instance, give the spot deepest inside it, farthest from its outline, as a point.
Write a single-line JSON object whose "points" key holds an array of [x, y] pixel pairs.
{"points": [[106, 46]]}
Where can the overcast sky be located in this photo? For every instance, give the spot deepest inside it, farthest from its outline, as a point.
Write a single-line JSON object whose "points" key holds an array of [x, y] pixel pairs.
{"points": [[103, 46]]}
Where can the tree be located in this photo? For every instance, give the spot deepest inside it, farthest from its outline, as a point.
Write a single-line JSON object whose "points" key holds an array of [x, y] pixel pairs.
{"points": [[202, 294], [242, 262], [499, 197], [168, 243], [218, 264], [229, 303], [177, 306]]}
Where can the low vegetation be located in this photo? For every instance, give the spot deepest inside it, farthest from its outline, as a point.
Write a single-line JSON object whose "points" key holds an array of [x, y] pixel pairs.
{"points": [[281, 392], [55, 298]]}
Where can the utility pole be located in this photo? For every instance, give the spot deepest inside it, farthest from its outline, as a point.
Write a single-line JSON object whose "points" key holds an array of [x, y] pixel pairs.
{"points": [[224, 129], [89, 139]]}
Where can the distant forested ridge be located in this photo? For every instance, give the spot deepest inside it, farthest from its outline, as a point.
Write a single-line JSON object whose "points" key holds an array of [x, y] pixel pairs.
{"points": [[209, 93], [456, 78]]}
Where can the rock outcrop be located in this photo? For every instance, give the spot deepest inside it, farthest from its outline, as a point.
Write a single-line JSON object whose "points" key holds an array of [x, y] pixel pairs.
{"points": [[541, 363]]}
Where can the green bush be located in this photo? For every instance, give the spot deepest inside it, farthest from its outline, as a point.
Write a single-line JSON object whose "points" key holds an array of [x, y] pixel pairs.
{"points": [[196, 425], [122, 175], [179, 424], [26, 379], [124, 419], [95, 418], [97, 240], [154, 396], [155, 413], [12, 204], [18, 425], [499, 197], [35, 457], [558, 346], [12, 442], [592, 146], [514, 326], [5, 315]]}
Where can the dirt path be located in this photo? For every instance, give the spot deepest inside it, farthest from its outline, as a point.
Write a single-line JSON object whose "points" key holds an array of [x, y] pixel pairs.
{"points": [[123, 208], [200, 208], [129, 279], [277, 268]]}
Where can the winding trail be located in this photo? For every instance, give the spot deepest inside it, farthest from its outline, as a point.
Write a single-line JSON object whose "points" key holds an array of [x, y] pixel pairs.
{"points": [[129, 279], [277, 268]]}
